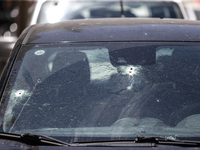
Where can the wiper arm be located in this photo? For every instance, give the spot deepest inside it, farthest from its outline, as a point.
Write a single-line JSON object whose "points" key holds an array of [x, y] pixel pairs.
{"points": [[167, 141], [33, 139]]}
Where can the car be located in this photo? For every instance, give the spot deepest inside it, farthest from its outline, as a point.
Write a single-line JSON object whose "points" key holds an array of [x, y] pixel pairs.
{"points": [[108, 82], [49, 11]]}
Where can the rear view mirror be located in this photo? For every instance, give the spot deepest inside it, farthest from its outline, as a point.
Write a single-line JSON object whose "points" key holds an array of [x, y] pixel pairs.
{"points": [[133, 56]]}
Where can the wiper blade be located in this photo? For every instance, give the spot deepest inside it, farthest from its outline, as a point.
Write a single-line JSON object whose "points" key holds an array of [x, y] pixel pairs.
{"points": [[140, 142], [33, 139], [167, 141], [112, 144]]}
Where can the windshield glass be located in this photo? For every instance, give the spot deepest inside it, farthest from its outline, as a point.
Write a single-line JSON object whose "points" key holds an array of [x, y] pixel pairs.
{"points": [[66, 10], [104, 90]]}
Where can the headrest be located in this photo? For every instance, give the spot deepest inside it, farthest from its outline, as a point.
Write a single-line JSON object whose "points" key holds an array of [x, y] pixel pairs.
{"points": [[67, 59]]}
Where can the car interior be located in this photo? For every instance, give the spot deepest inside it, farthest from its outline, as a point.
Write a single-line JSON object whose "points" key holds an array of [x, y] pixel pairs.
{"points": [[102, 87]]}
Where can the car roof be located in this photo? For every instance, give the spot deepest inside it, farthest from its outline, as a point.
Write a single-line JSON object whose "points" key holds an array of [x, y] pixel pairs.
{"points": [[115, 29]]}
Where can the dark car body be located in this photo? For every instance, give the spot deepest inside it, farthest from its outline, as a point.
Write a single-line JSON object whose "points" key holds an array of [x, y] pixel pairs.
{"points": [[103, 84], [129, 30]]}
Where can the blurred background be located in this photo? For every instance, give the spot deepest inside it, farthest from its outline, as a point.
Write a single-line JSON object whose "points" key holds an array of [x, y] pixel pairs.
{"points": [[16, 15]]}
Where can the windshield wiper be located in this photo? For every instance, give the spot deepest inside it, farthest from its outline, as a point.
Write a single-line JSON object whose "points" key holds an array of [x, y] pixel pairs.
{"points": [[167, 141], [140, 142], [33, 139]]}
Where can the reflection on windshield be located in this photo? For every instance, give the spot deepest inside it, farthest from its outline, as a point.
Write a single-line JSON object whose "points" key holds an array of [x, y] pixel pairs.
{"points": [[104, 90], [66, 10]]}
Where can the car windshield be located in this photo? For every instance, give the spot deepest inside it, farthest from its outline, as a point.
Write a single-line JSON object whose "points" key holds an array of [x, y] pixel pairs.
{"points": [[66, 10], [104, 90]]}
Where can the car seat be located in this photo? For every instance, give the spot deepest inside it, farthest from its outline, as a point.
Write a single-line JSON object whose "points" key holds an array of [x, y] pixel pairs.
{"points": [[56, 101], [187, 79], [158, 99], [175, 95]]}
